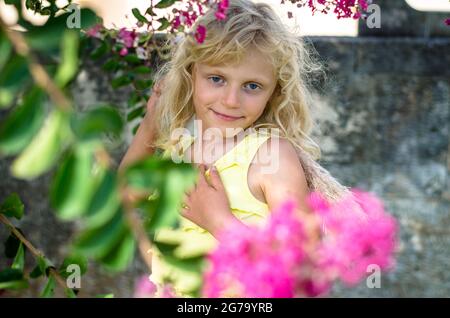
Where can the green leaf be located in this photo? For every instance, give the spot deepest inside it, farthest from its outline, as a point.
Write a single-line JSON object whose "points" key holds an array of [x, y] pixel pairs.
{"points": [[142, 84], [6, 97], [120, 258], [133, 100], [11, 278], [191, 264], [43, 151], [100, 50], [49, 289], [98, 242], [76, 259], [36, 272], [11, 246], [10, 274], [15, 284], [138, 15], [164, 4], [12, 206], [5, 49], [71, 189], [142, 70], [121, 81], [45, 265], [148, 173], [150, 11], [164, 24], [132, 58], [23, 123], [19, 260], [48, 37], [68, 67], [135, 113], [105, 296], [70, 293], [13, 2], [13, 77], [134, 130], [111, 65], [96, 122], [105, 202], [175, 184]]}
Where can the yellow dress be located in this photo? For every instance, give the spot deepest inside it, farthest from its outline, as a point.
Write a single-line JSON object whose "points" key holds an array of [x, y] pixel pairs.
{"points": [[194, 240]]}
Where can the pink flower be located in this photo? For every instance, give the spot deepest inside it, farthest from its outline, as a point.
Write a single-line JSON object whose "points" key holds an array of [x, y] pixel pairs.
{"points": [[259, 262], [223, 5], [281, 260], [222, 8], [123, 51], [94, 31], [176, 22], [447, 21], [358, 233], [200, 34], [127, 37], [144, 288], [220, 15]]}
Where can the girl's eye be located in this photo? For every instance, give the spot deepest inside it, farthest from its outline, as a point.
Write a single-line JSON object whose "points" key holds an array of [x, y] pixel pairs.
{"points": [[217, 79], [213, 78], [254, 87]]}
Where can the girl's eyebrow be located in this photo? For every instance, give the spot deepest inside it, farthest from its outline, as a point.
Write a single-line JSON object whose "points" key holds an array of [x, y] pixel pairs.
{"points": [[261, 80]]}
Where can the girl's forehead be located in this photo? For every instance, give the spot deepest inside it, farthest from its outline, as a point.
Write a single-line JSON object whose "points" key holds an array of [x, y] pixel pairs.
{"points": [[253, 61]]}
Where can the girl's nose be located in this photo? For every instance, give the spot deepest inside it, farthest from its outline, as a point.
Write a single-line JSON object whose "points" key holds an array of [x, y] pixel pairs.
{"points": [[231, 97]]}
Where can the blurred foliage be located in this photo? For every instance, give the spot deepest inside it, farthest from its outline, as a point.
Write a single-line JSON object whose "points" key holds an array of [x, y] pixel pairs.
{"points": [[45, 136]]}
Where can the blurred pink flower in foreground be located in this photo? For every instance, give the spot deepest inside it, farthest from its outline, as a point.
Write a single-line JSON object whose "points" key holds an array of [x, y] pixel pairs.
{"points": [[278, 261], [358, 233], [144, 288]]}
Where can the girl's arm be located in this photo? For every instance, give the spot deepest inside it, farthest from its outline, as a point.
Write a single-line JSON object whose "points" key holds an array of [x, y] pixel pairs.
{"points": [[145, 135], [140, 145], [286, 179]]}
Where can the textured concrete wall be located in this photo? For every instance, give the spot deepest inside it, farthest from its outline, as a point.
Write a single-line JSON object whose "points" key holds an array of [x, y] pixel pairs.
{"points": [[383, 118], [384, 121]]}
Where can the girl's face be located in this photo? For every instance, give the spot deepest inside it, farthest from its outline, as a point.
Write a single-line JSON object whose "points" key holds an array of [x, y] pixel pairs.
{"points": [[234, 96]]}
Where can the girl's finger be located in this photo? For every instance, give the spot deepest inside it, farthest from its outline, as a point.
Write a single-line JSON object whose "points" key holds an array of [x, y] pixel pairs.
{"points": [[201, 176], [216, 182], [184, 211]]}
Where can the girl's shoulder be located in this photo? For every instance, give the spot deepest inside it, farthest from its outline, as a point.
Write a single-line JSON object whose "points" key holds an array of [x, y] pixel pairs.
{"points": [[277, 155]]}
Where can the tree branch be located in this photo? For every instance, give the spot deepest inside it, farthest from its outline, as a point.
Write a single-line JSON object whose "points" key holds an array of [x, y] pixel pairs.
{"points": [[37, 253]]}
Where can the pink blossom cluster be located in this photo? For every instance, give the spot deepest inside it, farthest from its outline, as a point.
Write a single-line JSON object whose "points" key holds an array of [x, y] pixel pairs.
{"points": [[144, 288], [196, 8], [278, 261], [127, 38], [342, 8], [222, 7], [358, 233], [258, 262]]}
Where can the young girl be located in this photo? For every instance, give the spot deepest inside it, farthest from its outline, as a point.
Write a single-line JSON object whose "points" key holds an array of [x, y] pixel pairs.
{"points": [[249, 74]]}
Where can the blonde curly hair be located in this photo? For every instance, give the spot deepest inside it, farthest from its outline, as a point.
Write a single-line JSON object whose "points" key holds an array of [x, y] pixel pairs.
{"points": [[249, 25]]}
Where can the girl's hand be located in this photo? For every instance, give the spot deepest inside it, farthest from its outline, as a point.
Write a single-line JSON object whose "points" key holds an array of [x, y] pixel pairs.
{"points": [[149, 118], [207, 204]]}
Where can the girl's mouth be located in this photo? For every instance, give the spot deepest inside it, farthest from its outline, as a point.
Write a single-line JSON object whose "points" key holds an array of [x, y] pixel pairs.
{"points": [[226, 117]]}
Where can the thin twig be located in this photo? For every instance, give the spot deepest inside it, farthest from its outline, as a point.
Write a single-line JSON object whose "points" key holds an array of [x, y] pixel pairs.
{"points": [[37, 253], [144, 243]]}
